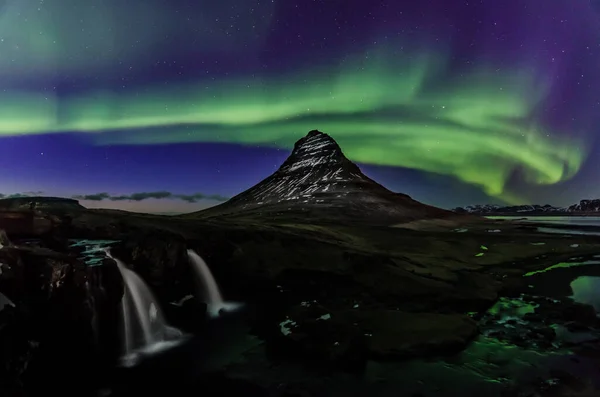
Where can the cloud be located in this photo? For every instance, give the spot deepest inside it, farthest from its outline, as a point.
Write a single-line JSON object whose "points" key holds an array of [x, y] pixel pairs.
{"points": [[190, 198], [142, 196], [92, 197], [20, 195]]}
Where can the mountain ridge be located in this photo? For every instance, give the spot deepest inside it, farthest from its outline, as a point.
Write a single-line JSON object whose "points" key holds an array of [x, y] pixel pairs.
{"points": [[584, 207]]}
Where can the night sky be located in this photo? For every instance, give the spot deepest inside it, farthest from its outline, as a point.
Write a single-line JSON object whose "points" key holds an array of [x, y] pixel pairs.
{"points": [[175, 105]]}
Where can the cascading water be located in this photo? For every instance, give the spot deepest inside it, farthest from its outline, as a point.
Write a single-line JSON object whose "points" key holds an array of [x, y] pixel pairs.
{"points": [[144, 327], [212, 295]]}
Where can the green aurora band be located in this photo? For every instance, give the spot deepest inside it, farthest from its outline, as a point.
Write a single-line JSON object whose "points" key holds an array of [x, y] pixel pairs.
{"points": [[479, 127]]}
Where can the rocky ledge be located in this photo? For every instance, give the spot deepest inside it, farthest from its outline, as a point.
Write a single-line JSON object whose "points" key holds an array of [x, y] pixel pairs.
{"points": [[54, 307]]}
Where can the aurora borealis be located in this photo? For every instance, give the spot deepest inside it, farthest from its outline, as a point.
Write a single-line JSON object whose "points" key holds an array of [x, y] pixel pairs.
{"points": [[452, 102]]}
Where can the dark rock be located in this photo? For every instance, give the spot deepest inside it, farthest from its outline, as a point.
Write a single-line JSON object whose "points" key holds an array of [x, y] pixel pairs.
{"points": [[167, 382], [24, 223], [545, 335], [104, 286], [400, 335], [160, 258], [514, 287], [189, 314], [55, 316], [4, 240], [563, 383], [324, 341], [583, 314], [472, 291], [55, 240], [17, 345], [346, 339]]}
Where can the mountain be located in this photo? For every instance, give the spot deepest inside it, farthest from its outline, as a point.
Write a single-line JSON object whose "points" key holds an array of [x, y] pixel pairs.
{"points": [[317, 182], [586, 206], [491, 209], [582, 208]]}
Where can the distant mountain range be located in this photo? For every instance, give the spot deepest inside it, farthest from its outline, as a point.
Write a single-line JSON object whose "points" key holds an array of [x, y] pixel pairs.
{"points": [[584, 207], [318, 182]]}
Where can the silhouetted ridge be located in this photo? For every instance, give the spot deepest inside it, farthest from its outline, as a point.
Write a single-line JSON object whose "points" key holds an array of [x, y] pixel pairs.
{"points": [[318, 178], [39, 202]]}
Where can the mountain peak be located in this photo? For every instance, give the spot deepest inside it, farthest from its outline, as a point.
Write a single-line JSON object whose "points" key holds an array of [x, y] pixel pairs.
{"points": [[312, 133], [315, 149]]}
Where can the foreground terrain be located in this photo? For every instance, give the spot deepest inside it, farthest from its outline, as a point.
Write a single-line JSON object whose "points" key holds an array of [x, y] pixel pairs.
{"points": [[353, 308]]}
